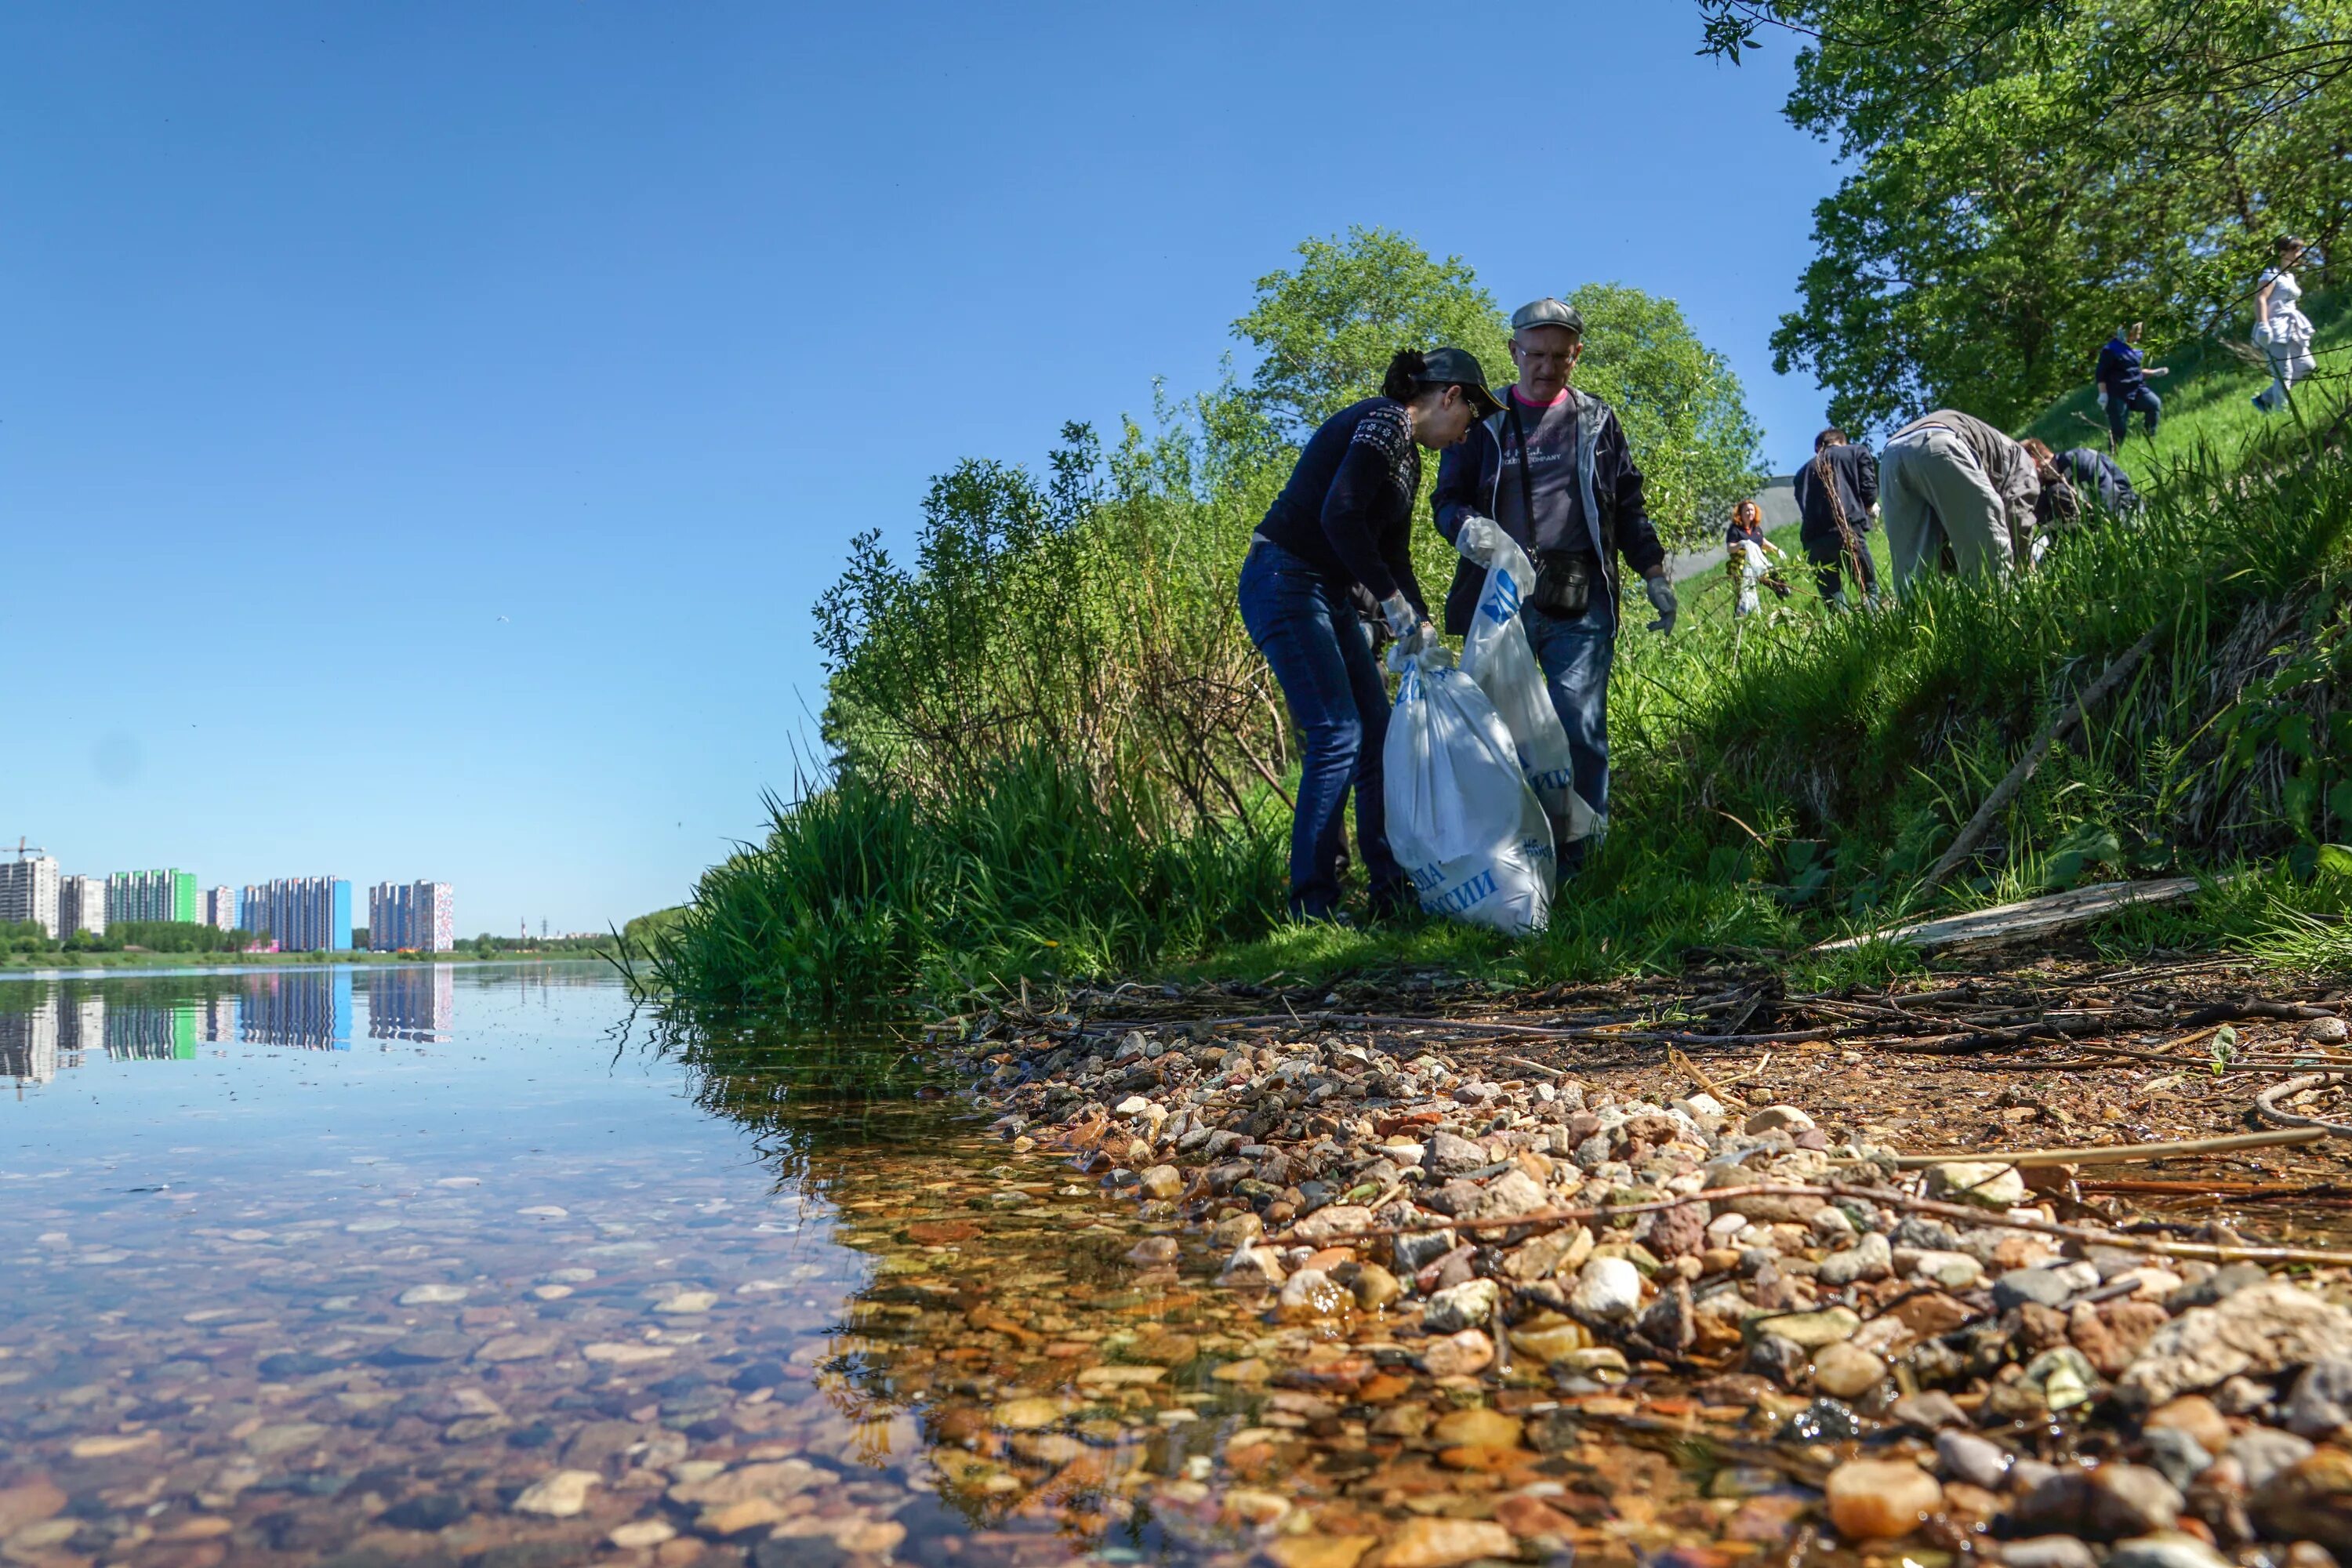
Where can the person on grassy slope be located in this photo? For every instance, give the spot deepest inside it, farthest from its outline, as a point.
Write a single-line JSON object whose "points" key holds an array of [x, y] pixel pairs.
{"points": [[1950, 482], [1748, 553], [1344, 521], [2281, 329], [1551, 469], [2122, 378], [1835, 493], [2100, 481], [2057, 510]]}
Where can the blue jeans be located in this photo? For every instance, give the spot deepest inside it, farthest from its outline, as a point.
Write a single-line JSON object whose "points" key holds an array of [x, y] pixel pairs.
{"points": [[1322, 657], [2119, 411], [1575, 654]]}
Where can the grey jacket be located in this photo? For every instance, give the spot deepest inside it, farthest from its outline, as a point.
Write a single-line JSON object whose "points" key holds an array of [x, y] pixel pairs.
{"points": [[2004, 462]]}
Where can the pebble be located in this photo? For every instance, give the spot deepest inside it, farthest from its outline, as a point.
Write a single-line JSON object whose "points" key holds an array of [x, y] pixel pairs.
{"points": [[1310, 1295], [2043, 1286], [2171, 1549], [2048, 1552], [1165, 1182], [1987, 1184], [1975, 1460], [1869, 1259], [2321, 1400], [687, 1303], [1445, 1543], [1846, 1369], [1811, 1330], [2263, 1452], [1881, 1500], [1458, 1355], [2327, 1031], [1468, 1305], [640, 1533], [559, 1495], [431, 1295], [1608, 1288]]}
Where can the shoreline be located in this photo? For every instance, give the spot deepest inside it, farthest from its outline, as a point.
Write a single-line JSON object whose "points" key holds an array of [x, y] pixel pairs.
{"points": [[128, 964], [1920, 1361]]}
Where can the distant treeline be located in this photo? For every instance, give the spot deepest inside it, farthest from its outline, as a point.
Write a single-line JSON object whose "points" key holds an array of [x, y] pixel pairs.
{"points": [[150, 936]]}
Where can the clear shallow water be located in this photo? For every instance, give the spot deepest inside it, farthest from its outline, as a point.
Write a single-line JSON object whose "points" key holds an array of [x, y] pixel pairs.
{"points": [[338, 1266]]}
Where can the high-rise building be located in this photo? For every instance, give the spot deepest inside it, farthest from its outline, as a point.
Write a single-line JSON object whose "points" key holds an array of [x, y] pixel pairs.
{"points": [[28, 890], [217, 907], [306, 914], [414, 917], [81, 906], [152, 896], [310, 1008]]}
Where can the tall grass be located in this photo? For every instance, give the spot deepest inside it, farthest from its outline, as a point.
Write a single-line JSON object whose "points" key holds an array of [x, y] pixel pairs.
{"points": [[863, 897]]}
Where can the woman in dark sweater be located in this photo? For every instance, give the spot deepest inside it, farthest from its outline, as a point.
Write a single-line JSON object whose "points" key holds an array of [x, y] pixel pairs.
{"points": [[1343, 522]]}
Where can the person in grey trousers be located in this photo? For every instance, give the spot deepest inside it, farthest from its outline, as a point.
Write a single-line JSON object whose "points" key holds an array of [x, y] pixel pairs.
{"points": [[1951, 480]]}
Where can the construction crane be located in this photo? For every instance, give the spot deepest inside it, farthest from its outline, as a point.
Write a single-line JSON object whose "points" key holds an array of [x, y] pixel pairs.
{"points": [[22, 853]]}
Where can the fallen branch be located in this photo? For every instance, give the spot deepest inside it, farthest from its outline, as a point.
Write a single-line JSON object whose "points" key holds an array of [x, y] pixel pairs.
{"points": [[1550, 1219], [2061, 724], [2119, 1153]]}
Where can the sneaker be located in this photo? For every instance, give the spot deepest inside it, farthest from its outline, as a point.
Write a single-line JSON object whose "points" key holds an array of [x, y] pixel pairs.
{"points": [[2258, 403]]}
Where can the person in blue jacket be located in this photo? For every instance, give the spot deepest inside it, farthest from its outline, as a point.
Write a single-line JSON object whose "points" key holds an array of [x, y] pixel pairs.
{"points": [[2122, 377], [1551, 469], [1343, 522]]}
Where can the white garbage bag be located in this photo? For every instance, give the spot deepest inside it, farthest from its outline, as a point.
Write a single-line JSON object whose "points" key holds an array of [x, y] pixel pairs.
{"points": [[1752, 569], [1497, 656], [1462, 820]]}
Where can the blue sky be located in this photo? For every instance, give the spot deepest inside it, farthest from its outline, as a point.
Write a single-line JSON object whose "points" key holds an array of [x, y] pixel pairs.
{"points": [[424, 429]]}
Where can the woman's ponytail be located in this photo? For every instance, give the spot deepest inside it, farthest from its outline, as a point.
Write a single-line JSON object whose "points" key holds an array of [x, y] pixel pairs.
{"points": [[1403, 381]]}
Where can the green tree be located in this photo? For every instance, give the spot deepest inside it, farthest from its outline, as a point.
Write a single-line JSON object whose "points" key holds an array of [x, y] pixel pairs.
{"points": [[1329, 326], [2027, 174]]}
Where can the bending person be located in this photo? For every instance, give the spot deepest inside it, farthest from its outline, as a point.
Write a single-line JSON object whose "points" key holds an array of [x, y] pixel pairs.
{"points": [[1553, 471], [1951, 481], [2281, 329], [1344, 519]]}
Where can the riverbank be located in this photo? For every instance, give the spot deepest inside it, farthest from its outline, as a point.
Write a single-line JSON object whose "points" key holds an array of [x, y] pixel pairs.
{"points": [[1771, 1237]]}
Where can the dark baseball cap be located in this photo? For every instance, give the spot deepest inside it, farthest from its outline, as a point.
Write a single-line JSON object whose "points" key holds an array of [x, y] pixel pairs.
{"points": [[1549, 313], [1460, 367]]}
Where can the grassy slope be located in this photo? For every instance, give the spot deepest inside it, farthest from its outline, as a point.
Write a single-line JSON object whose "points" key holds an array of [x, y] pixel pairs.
{"points": [[2208, 398], [1644, 904]]}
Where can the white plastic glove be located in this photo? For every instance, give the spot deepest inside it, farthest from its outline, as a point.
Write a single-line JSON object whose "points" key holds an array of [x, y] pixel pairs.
{"points": [[1661, 599], [1477, 539], [2102, 397], [1401, 618], [1419, 640]]}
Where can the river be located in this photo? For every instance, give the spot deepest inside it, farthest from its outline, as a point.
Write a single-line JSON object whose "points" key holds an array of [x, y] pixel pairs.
{"points": [[475, 1265]]}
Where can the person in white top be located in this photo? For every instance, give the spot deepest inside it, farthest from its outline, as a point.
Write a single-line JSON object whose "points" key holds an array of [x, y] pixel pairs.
{"points": [[2281, 329]]}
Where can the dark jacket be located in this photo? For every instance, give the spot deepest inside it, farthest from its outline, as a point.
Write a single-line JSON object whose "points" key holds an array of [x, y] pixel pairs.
{"points": [[2100, 480], [1610, 485], [1854, 474], [1347, 508], [2120, 370]]}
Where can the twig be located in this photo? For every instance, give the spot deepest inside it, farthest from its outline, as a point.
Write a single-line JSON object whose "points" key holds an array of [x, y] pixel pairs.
{"points": [[2119, 1153], [2061, 724], [1549, 1219]]}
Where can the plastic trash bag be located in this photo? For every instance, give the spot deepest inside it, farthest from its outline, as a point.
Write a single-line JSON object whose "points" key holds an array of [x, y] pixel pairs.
{"points": [[1497, 656], [1462, 820], [1749, 568]]}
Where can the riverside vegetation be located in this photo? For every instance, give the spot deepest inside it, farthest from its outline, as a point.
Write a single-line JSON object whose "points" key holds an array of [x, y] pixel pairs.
{"points": [[1058, 756]]}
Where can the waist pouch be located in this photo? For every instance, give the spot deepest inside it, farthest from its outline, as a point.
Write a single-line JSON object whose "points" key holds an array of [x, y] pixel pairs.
{"points": [[1563, 582]]}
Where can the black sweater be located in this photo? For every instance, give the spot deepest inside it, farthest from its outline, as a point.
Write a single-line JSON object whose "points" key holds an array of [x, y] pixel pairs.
{"points": [[1347, 507]]}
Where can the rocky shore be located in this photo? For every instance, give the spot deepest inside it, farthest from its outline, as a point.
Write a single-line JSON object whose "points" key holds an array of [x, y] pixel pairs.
{"points": [[1489, 1274]]}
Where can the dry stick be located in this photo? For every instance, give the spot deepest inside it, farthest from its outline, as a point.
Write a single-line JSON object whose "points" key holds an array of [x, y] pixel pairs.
{"points": [[2119, 1153], [2060, 725], [1548, 1219]]}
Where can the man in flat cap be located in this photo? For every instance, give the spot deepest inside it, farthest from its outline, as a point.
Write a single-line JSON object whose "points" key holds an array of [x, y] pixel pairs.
{"points": [[1552, 471]]}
